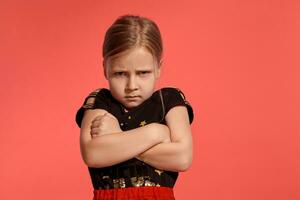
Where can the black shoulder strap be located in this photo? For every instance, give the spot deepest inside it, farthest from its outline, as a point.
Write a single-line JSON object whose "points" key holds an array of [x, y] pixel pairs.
{"points": [[162, 104]]}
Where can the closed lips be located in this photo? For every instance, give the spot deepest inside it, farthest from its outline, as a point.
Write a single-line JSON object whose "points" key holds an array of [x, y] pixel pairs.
{"points": [[131, 96]]}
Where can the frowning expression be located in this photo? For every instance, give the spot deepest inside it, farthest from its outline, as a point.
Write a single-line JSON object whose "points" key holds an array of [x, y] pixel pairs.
{"points": [[132, 76]]}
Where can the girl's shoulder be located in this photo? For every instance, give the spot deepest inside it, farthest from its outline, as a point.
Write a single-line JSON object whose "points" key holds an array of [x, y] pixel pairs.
{"points": [[98, 98], [173, 96], [172, 91]]}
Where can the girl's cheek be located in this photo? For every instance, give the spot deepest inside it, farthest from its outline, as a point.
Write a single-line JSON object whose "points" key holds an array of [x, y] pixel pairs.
{"points": [[118, 83]]}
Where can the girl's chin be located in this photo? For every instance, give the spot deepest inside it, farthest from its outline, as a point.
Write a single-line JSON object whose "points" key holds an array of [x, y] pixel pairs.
{"points": [[131, 104]]}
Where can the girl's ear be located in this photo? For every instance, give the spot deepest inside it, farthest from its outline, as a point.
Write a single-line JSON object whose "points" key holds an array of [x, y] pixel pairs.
{"points": [[159, 68], [160, 63]]}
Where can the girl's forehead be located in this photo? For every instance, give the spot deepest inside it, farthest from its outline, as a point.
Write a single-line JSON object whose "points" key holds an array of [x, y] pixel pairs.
{"points": [[137, 57]]}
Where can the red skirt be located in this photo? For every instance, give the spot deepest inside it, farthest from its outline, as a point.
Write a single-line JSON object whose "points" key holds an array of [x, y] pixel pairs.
{"points": [[135, 193]]}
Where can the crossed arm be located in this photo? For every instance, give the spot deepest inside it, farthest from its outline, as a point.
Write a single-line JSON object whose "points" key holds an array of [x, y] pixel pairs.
{"points": [[177, 154], [164, 147]]}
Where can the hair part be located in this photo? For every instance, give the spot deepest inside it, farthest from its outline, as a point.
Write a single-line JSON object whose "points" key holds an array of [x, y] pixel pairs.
{"points": [[131, 31]]}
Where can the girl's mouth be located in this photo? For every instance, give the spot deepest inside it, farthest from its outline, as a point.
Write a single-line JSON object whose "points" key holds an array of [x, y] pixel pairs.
{"points": [[132, 97]]}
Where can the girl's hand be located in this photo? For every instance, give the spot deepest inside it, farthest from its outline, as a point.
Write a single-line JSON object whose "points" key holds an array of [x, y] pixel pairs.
{"points": [[165, 133], [105, 124]]}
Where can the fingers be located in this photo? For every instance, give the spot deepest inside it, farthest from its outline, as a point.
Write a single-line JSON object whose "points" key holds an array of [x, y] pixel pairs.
{"points": [[93, 132], [99, 117], [109, 115], [97, 120]]}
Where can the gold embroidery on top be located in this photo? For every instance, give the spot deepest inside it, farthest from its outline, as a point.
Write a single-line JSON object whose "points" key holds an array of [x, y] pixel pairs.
{"points": [[158, 171], [143, 123], [148, 181], [122, 182], [142, 181], [137, 181], [119, 183], [116, 183], [106, 186]]}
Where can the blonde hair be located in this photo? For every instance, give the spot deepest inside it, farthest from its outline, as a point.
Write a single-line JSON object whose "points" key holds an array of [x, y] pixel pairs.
{"points": [[130, 31]]}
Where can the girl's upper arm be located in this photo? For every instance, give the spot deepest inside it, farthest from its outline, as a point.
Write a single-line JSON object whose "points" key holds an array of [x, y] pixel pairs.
{"points": [[85, 130], [177, 120], [94, 101], [86, 113], [179, 115]]}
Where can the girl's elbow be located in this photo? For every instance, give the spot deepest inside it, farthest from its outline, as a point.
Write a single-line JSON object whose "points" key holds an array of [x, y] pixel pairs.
{"points": [[93, 163], [97, 161], [185, 165], [87, 162], [89, 159], [186, 162]]}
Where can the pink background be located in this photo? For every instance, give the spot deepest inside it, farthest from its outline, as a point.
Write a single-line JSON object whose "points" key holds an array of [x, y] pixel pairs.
{"points": [[236, 61]]}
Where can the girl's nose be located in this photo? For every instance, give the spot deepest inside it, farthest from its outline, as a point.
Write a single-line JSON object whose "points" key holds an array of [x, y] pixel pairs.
{"points": [[132, 84]]}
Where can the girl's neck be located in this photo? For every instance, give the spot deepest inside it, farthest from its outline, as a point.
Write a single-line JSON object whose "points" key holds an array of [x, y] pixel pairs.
{"points": [[124, 109]]}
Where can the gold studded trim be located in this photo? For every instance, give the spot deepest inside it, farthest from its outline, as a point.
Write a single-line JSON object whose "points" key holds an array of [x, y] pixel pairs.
{"points": [[135, 182], [90, 99]]}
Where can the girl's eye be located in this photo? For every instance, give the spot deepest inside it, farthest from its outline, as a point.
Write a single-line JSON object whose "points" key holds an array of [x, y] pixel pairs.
{"points": [[144, 72], [119, 73]]}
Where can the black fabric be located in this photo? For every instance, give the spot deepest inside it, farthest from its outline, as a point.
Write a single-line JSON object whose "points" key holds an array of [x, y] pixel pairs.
{"points": [[175, 97], [102, 101], [152, 110], [171, 97]]}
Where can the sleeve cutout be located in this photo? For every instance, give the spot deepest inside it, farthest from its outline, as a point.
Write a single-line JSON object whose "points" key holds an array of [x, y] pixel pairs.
{"points": [[89, 103]]}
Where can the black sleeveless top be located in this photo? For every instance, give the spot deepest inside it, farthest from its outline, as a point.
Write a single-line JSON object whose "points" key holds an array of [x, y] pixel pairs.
{"points": [[133, 172]]}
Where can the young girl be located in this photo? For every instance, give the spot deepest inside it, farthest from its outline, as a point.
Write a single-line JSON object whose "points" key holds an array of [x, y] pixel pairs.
{"points": [[134, 139]]}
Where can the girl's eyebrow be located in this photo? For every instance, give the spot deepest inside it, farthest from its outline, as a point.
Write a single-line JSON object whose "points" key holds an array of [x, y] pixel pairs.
{"points": [[144, 69], [139, 69], [118, 69]]}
